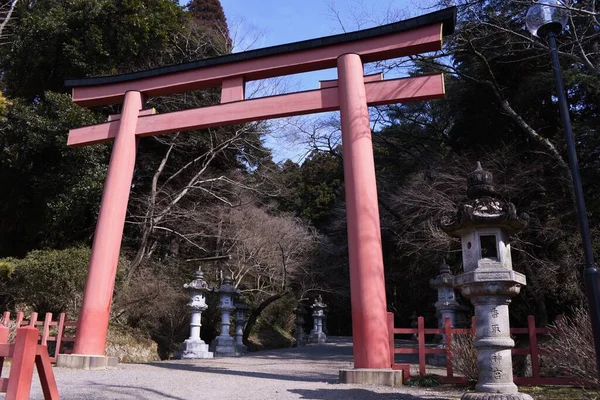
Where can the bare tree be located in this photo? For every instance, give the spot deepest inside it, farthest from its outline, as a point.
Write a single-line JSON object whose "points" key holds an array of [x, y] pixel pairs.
{"points": [[7, 7]]}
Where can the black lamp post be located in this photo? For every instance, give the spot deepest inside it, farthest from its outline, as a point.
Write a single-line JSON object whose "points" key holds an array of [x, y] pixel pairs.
{"points": [[546, 19]]}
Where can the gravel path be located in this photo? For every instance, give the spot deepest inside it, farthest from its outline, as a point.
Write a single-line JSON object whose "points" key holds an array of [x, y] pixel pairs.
{"points": [[306, 373]]}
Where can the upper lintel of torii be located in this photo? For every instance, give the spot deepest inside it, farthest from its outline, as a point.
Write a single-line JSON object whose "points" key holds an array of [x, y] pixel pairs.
{"points": [[412, 36]]}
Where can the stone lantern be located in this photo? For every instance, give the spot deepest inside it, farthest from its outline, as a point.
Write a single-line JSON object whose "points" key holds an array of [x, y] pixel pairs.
{"points": [[300, 336], [484, 223], [316, 334], [446, 304], [224, 344], [240, 321], [194, 347]]}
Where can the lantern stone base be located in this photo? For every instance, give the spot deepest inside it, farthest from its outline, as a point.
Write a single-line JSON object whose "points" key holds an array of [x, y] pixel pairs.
{"points": [[224, 346], [495, 396], [364, 376], [193, 348], [80, 361], [317, 337]]}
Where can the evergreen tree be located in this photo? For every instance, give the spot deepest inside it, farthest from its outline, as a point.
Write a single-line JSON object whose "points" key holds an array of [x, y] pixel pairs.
{"points": [[209, 14]]}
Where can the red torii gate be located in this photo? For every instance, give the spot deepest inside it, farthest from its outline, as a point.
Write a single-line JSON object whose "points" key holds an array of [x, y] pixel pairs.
{"points": [[351, 93]]}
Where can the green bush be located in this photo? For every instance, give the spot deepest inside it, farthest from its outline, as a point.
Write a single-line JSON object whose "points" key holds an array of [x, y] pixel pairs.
{"points": [[46, 280]]}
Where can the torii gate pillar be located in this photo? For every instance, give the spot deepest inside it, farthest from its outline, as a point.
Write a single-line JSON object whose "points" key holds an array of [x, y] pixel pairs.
{"points": [[367, 282]]}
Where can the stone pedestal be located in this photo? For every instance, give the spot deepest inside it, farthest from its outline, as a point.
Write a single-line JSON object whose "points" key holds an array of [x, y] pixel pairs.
{"points": [[484, 224], [300, 336], [446, 307], [316, 334], [240, 322], [78, 361], [364, 376], [194, 347], [224, 345], [492, 339]]}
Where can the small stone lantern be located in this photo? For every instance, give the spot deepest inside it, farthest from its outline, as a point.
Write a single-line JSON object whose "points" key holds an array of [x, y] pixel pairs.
{"points": [[484, 224], [240, 321], [194, 347], [224, 344], [316, 334], [446, 304], [300, 336]]}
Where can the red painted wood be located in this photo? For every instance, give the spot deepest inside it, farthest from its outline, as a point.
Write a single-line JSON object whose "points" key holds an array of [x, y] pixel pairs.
{"points": [[45, 373], [143, 113], [46, 329], [406, 331], [59, 336], [420, 40], [406, 350], [92, 325], [33, 319], [320, 100], [3, 385], [390, 324], [367, 280], [448, 345], [233, 89], [4, 333], [21, 371], [19, 320], [6, 317], [421, 337], [334, 82]]}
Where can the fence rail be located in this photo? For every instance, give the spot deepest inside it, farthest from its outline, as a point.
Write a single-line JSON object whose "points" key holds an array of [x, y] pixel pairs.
{"points": [[50, 331], [448, 331]]}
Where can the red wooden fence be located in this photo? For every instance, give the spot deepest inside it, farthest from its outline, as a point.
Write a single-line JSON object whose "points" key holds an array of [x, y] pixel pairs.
{"points": [[26, 355], [51, 331], [447, 331]]}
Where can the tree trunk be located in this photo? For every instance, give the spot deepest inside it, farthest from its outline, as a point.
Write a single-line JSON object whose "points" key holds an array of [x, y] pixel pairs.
{"points": [[256, 313]]}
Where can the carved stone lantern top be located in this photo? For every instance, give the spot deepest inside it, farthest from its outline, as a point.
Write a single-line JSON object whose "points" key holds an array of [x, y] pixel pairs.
{"points": [[227, 286], [444, 279], [198, 284], [319, 303], [483, 208]]}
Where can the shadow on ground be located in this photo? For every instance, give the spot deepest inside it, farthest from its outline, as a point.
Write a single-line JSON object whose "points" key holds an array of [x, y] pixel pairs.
{"points": [[123, 392], [358, 394], [308, 377]]}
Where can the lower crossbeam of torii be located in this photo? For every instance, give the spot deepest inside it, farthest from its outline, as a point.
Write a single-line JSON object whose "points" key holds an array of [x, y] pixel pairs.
{"points": [[351, 94]]}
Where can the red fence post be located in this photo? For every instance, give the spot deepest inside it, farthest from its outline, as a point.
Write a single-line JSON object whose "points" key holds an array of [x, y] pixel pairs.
{"points": [[448, 340], [21, 371], [533, 347], [59, 336], [421, 333], [46, 329], [20, 317], [390, 323], [4, 333], [33, 319]]}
